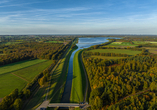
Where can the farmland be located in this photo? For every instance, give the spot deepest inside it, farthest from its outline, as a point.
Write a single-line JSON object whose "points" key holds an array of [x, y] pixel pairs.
{"points": [[122, 51], [19, 74], [122, 44], [8, 82], [19, 65], [106, 57]]}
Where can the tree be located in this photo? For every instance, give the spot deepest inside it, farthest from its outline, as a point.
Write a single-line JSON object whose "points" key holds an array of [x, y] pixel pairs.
{"points": [[18, 104], [98, 103], [27, 93], [153, 86]]}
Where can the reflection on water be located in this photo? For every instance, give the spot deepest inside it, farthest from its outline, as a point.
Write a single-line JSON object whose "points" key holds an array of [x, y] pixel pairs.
{"points": [[82, 43]]}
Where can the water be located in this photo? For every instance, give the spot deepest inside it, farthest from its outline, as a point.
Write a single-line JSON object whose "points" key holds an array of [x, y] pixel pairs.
{"points": [[82, 43]]}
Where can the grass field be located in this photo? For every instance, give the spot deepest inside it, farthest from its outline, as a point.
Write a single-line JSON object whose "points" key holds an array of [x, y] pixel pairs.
{"points": [[54, 41], [9, 82], [30, 72], [122, 51], [79, 81], [9, 43], [19, 65], [141, 42], [19, 74], [121, 44], [151, 50], [106, 57]]}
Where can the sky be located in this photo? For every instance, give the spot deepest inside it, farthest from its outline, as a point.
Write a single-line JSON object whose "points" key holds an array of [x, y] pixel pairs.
{"points": [[78, 17]]}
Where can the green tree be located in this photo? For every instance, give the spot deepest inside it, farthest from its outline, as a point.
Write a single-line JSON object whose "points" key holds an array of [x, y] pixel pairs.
{"points": [[18, 104], [27, 93]]}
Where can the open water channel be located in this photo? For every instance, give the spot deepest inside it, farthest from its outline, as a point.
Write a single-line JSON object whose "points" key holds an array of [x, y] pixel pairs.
{"points": [[82, 43]]}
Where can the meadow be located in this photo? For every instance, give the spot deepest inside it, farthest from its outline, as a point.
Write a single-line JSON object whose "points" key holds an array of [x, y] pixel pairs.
{"points": [[151, 50], [9, 82], [106, 57], [30, 72], [19, 65], [122, 51], [122, 44], [19, 74]]}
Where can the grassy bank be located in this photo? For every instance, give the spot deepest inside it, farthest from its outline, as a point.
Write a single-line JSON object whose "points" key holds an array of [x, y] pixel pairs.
{"points": [[79, 81]]}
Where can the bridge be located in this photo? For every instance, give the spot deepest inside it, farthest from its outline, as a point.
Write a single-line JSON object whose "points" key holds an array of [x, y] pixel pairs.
{"points": [[46, 104], [69, 105]]}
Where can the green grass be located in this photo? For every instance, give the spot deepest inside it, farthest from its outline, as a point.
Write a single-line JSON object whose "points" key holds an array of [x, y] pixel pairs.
{"points": [[122, 51], [19, 65], [9, 43], [106, 57], [54, 41], [30, 72], [122, 44], [9, 82], [141, 42], [17, 75], [79, 81]]}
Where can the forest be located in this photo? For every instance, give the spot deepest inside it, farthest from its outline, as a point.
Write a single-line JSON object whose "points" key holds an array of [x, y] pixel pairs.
{"points": [[122, 84]]}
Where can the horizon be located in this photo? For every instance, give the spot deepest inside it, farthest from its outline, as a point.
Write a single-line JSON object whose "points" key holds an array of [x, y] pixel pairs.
{"points": [[66, 17]]}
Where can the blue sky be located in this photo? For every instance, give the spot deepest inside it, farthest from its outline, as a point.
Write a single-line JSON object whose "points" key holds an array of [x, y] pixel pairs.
{"points": [[78, 17]]}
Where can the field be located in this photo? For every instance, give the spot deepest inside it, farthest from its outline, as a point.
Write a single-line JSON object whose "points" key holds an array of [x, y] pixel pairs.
{"points": [[122, 44], [20, 74], [19, 65], [54, 41], [79, 81], [151, 50], [141, 42], [30, 72], [122, 51], [9, 82], [106, 57]]}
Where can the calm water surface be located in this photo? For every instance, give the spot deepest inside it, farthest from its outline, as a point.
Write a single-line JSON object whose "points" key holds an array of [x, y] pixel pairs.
{"points": [[82, 43]]}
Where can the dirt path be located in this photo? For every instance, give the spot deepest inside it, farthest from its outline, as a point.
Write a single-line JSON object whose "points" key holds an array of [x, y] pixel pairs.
{"points": [[86, 89], [19, 77]]}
